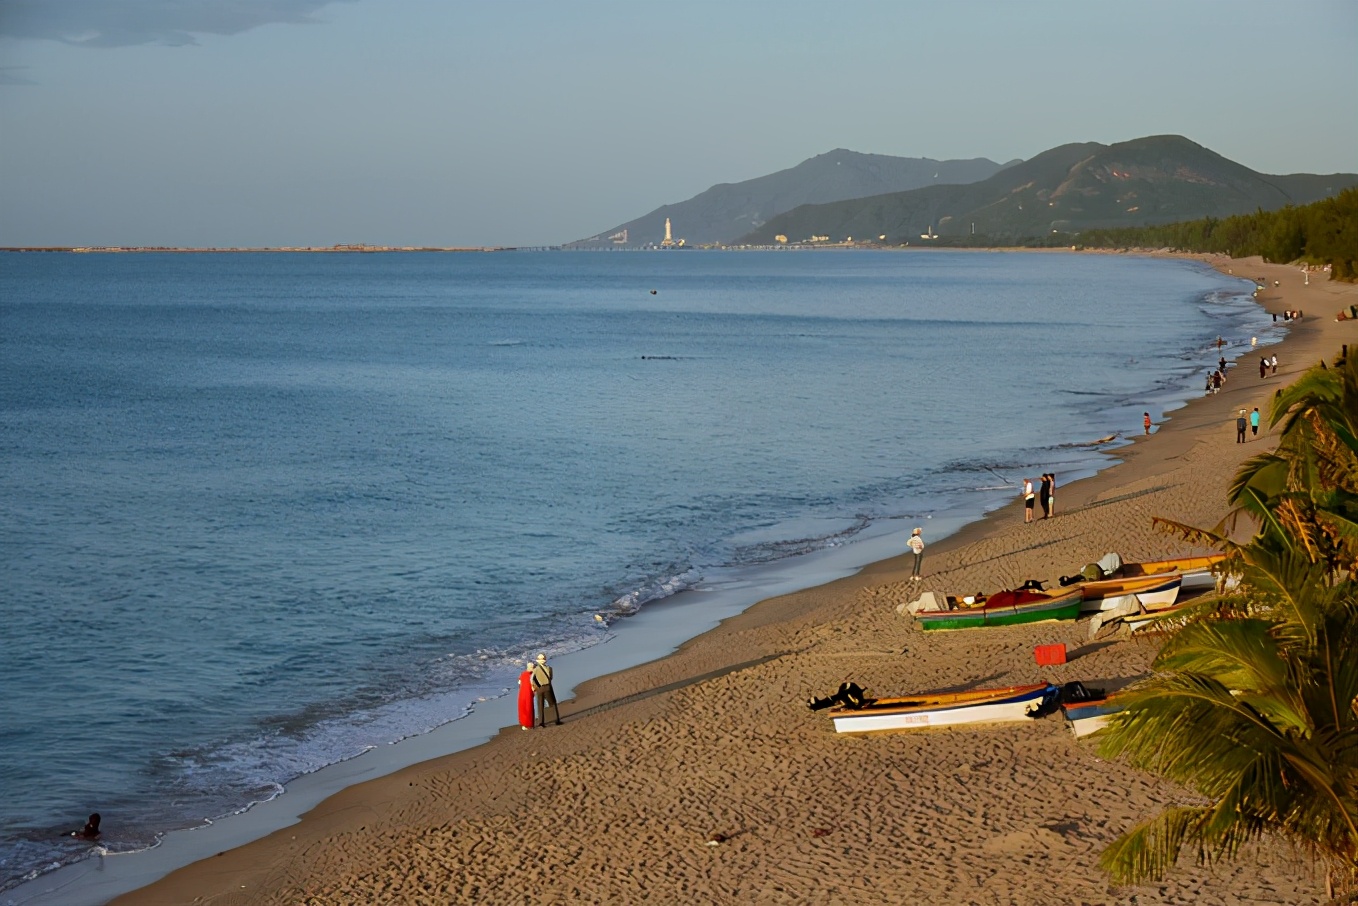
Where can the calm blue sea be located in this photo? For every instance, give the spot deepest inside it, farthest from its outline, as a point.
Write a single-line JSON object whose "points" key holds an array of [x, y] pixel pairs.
{"points": [[260, 512]]}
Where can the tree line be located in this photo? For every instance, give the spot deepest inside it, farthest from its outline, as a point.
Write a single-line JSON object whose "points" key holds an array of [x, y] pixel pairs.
{"points": [[1322, 233]]}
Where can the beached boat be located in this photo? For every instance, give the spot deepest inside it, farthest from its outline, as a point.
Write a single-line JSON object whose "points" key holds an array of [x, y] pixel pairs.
{"points": [[1004, 608], [1120, 594], [1197, 571], [943, 709], [1090, 716]]}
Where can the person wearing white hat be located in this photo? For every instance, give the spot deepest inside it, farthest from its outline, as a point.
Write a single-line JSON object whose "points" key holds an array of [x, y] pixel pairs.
{"points": [[543, 693], [916, 543]]}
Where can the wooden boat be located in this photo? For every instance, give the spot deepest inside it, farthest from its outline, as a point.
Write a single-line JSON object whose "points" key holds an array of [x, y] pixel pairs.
{"points": [[1004, 608], [1197, 571], [943, 709], [1148, 592], [1090, 716]]}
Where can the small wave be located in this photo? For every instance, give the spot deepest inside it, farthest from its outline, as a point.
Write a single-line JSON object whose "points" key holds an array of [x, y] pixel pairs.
{"points": [[1087, 444], [771, 551], [629, 603]]}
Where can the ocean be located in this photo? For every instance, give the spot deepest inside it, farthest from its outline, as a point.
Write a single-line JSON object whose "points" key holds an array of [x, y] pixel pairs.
{"points": [[262, 512]]}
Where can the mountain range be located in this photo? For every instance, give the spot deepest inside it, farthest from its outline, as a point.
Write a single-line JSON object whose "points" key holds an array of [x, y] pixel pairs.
{"points": [[728, 211], [1152, 180]]}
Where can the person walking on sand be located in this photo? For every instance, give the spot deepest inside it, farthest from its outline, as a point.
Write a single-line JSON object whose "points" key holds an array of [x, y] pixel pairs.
{"points": [[1028, 500], [1051, 493], [1263, 367], [1273, 363], [916, 543], [1044, 493], [1240, 423], [543, 693], [1146, 418], [1254, 422]]}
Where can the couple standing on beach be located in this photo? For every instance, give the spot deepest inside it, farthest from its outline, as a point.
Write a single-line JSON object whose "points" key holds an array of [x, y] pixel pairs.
{"points": [[535, 694], [1046, 495]]}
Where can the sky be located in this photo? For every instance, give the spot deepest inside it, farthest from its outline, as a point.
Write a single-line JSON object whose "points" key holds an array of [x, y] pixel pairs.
{"points": [[222, 123]]}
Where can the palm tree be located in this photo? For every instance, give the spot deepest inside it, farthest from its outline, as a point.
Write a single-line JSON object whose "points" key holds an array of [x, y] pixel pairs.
{"points": [[1251, 705]]}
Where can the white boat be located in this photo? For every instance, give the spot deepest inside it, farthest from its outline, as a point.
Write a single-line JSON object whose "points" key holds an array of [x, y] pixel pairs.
{"points": [[944, 709], [1150, 592], [1084, 718]]}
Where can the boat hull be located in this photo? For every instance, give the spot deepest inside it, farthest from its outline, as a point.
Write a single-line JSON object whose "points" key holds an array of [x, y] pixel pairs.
{"points": [[1013, 703], [1151, 592], [1060, 607], [1197, 571], [1084, 718]]}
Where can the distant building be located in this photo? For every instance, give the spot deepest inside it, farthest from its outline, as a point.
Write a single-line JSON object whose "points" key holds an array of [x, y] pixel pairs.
{"points": [[669, 239]]}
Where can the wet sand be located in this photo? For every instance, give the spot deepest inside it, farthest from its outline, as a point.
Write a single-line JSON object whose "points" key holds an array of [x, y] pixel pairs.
{"points": [[621, 803]]}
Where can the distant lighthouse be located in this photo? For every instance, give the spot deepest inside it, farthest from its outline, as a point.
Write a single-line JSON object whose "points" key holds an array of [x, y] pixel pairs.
{"points": [[669, 239]]}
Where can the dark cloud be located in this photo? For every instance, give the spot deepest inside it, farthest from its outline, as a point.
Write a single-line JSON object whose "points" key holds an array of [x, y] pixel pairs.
{"points": [[106, 23]]}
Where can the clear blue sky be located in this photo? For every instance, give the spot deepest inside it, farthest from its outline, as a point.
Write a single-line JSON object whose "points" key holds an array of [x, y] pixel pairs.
{"points": [[436, 122]]}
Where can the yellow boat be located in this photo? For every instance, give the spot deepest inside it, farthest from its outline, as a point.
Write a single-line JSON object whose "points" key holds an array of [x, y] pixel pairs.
{"points": [[1197, 571]]}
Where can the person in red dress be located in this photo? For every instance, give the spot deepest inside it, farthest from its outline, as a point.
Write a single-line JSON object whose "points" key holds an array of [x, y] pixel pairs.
{"points": [[526, 698]]}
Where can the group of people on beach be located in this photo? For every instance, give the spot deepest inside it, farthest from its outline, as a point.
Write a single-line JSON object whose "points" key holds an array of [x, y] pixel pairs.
{"points": [[1242, 422], [1045, 495], [536, 693], [1267, 363]]}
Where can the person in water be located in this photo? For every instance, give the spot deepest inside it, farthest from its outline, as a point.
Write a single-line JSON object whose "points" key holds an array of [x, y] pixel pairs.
{"points": [[91, 829]]}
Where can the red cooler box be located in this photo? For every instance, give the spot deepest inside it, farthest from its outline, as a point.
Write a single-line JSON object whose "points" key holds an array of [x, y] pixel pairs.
{"points": [[1047, 655]]}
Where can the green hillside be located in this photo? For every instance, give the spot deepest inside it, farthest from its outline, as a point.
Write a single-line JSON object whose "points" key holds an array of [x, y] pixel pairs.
{"points": [[1160, 179]]}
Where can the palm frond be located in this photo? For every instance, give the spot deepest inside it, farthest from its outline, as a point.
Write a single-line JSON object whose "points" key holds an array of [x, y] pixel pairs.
{"points": [[1148, 851], [1254, 701]]}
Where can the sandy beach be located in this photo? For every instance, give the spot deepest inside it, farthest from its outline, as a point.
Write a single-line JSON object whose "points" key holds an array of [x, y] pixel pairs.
{"points": [[621, 803]]}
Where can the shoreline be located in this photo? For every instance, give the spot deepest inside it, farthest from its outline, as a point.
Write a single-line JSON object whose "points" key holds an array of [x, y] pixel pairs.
{"points": [[742, 655]]}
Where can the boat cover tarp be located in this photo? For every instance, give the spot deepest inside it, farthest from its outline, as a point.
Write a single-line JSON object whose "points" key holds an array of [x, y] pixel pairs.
{"points": [[1014, 598], [1110, 563], [927, 601]]}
